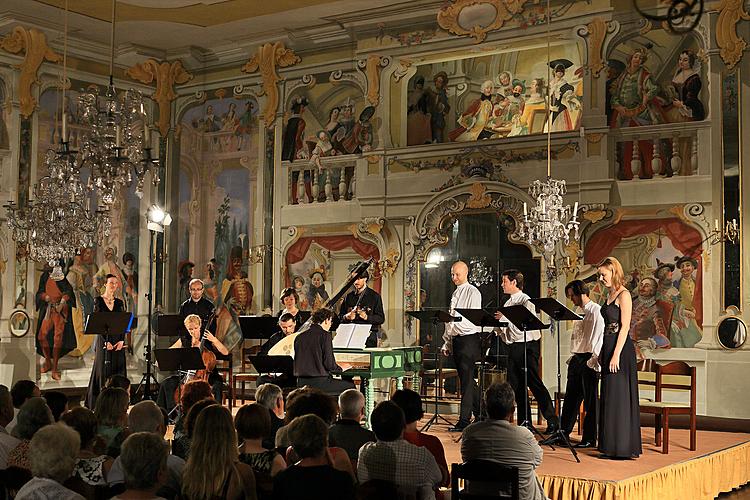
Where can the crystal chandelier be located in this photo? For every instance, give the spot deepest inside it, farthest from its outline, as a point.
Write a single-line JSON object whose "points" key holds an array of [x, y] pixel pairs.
{"points": [[549, 220], [59, 221], [480, 273], [116, 145]]}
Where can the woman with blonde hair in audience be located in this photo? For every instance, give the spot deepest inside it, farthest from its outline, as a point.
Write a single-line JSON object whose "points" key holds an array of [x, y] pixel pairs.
{"points": [[32, 416], [53, 452], [111, 412], [91, 467], [213, 469]]}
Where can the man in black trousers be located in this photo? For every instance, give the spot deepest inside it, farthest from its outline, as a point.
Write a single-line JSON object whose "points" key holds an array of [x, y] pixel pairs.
{"points": [[364, 305], [512, 345], [585, 343]]}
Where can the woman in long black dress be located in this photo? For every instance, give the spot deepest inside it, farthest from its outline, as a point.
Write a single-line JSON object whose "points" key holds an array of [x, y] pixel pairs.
{"points": [[112, 349], [619, 421]]}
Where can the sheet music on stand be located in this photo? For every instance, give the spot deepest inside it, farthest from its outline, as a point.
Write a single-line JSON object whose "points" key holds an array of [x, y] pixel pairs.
{"points": [[351, 336]]}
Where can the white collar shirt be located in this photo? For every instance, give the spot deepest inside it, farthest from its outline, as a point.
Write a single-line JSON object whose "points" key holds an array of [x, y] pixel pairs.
{"points": [[512, 334], [465, 296]]}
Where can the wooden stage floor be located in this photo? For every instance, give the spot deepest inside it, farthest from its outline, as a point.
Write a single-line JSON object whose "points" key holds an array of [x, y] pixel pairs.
{"points": [[649, 476]]}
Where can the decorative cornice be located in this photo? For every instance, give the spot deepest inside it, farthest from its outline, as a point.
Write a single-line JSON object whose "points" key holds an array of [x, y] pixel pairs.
{"points": [[731, 44], [34, 45], [166, 74], [448, 16], [268, 58]]}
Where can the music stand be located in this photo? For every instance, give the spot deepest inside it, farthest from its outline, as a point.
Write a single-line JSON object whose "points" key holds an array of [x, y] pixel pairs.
{"points": [[106, 324], [525, 320], [180, 360], [264, 363], [433, 317], [171, 325], [258, 327], [482, 319], [557, 312]]}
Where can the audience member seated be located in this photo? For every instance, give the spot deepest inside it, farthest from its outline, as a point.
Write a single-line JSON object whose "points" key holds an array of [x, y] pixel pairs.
{"points": [[7, 442], [192, 392], [347, 432], [33, 415], [91, 469], [313, 477], [111, 411], [271, 397], [118, 380], [213, 469], [144, 464], [57, 402], [183, 446], [306, 401], [147, 417], [391, 458], [21, 391], [498, 440], [252, 423], [410, 403], [52, 451]]}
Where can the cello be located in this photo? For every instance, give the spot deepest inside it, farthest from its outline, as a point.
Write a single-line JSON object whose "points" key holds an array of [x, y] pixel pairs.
{"points": [[209, 362]]}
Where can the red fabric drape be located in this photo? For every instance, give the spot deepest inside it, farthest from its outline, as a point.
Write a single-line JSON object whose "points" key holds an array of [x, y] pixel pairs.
{"points": [[683, 237], [299, 249]]}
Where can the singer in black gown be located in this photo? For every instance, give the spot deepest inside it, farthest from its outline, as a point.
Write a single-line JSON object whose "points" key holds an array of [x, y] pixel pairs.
{"points": [[620, 417], [117, 366]]}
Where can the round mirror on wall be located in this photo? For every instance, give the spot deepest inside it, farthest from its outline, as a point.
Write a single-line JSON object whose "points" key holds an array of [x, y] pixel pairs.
{"points": [[732, 332], [19, 323]]}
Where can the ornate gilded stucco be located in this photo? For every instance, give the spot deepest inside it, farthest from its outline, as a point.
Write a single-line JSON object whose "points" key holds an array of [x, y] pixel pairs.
{"points": [[33, 43], [268, 58], [731, 45], [166, 74], [596, 33], [372, 66], [448, 16], [479, 197]]}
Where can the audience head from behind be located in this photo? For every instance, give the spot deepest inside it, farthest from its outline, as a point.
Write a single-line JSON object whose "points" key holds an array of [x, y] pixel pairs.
{"points": [[352, 405], [308, 401], [388, 421], [146, 416], [23, 390], [500, 401], [83, 421], [57, 402], [213, 452], [195, 410], [323, 317], [144, 461], [6, 406], [120, 381], [33, 415], [53, 451], [271, 397], [111, 408], [410, 403], [192, 392], [252, 422], [308, 435]]}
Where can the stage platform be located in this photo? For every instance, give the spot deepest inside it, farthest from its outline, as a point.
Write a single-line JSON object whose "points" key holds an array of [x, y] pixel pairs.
{"points": [[720, 464]]}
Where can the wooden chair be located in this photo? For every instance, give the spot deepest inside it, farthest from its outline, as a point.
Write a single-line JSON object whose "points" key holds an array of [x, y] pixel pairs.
{"points": [[678, 376], [438, 382], [245, 374], [484, 480], [224, 367]]}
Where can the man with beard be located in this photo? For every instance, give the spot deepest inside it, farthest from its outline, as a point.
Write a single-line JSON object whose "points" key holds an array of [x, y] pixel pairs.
{"points": [[54, 299], [364, 306], [197, 304]]}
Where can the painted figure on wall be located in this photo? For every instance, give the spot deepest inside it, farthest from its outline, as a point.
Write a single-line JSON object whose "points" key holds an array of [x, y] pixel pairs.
{"points": [[651, 317], [684, 90], [130, 276], [81, 278], [476, 118], [615, 68], [534, 115], [237, 298], [210, 275], [110, 266], [438, 106], [185, 274], [563, 100], [293, 143], [685, 329], [55, 333], [418, 118], [317, 293], [298, 282]]}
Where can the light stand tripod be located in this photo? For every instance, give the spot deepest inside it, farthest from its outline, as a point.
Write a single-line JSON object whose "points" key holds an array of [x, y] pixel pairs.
{"points": [[557, 312], [435, 317], [148, 376]]}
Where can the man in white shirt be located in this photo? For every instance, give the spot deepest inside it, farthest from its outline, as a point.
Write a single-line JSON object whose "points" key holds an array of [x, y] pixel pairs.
{"points": [[585, 345], [512, 345], [7, 442], [461, 340]]}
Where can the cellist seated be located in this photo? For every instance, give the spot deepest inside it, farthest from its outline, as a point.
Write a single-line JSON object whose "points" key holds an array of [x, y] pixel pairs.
{"points": [[211, 350]]}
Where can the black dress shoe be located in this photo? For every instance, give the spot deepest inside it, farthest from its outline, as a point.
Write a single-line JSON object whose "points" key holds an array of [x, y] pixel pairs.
{"points": [[459, 427], [552, 428], [585, 444]]}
